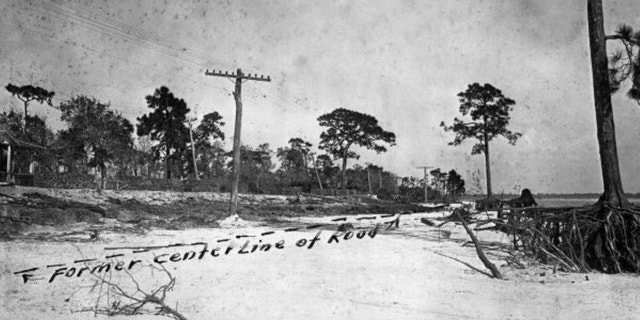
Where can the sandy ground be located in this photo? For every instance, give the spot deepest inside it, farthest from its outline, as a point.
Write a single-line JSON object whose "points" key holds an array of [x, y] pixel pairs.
{"points": [[148, 197], [414, 272]]}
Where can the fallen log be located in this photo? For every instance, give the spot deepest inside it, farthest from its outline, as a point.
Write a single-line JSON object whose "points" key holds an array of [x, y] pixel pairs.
{"points": [[494, 270]]}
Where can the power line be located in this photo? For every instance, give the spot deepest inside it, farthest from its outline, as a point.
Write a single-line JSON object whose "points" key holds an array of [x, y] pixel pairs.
{"points": [[187, 52], [146, 34], [73, 43], [115, 29], [61, 93], [120, 30]]}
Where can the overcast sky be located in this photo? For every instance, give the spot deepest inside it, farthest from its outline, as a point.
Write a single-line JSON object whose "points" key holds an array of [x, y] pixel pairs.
{"points": [[400, 61]]}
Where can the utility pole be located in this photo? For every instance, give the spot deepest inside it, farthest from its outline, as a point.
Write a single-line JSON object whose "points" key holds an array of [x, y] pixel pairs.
{"points": [[426, 178], [193, 149], [237, 95]]}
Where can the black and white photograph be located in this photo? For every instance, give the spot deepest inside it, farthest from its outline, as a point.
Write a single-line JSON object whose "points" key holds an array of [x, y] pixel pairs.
{"points": [[339, 159]]}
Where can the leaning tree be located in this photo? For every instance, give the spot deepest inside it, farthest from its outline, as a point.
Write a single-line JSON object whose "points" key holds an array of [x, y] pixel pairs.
{"points": [[206, 142], [489, 111], [347, 128]]}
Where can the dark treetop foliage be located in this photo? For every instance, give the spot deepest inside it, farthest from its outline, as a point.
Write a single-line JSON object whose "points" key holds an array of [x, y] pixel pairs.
{"points": [[625, 63], [455, 184], [254, 160], [489, 111], [209, 128], [165, 124], [294, 157], [324, 161], [326, 168], [347, 128], [255, 165], [209, 153], [12, 121], [29, 93], [450, 184], [92, 126], [294, 161]]}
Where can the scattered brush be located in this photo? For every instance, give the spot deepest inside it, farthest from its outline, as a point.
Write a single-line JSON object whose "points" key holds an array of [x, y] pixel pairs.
{"points": [[114, 298]]}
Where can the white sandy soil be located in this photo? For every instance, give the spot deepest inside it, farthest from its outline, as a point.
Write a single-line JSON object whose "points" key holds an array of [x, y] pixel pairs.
{"points": [[414, 272]]}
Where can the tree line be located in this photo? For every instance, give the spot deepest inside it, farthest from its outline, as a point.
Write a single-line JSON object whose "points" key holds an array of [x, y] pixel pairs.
{"points": [[98, 139]]}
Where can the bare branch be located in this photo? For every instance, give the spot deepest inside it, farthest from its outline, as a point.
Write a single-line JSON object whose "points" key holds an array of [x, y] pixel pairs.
{"points": [[618, 37], [137, 302]]}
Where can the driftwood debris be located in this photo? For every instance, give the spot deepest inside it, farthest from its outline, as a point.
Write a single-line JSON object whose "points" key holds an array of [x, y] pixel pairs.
{"points": [[494, 270]]}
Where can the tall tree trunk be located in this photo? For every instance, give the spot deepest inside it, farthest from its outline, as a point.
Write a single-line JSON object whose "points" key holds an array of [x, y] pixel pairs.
{"points": [[344, 170], [487, 164], [103, 173], [24, 118], [167, 171], [369, 178], [613, 193], [306, 168], [193, 153], [318, 177]]}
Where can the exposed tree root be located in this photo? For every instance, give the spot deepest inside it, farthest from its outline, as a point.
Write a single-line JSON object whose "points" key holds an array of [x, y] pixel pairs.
{"points": [[599, 237]]}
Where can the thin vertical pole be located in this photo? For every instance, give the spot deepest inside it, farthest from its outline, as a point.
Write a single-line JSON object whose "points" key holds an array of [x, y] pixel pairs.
{"points": [[193, 152], [369, 178], [237, 95], [425, 186], [8, 163]]}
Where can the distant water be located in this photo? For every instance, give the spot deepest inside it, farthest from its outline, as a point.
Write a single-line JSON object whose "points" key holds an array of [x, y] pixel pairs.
{"points": [[571, 202], [562, 202]]}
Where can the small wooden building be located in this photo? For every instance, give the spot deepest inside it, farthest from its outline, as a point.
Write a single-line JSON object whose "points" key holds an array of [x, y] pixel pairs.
{"points": [[10, 147]]}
